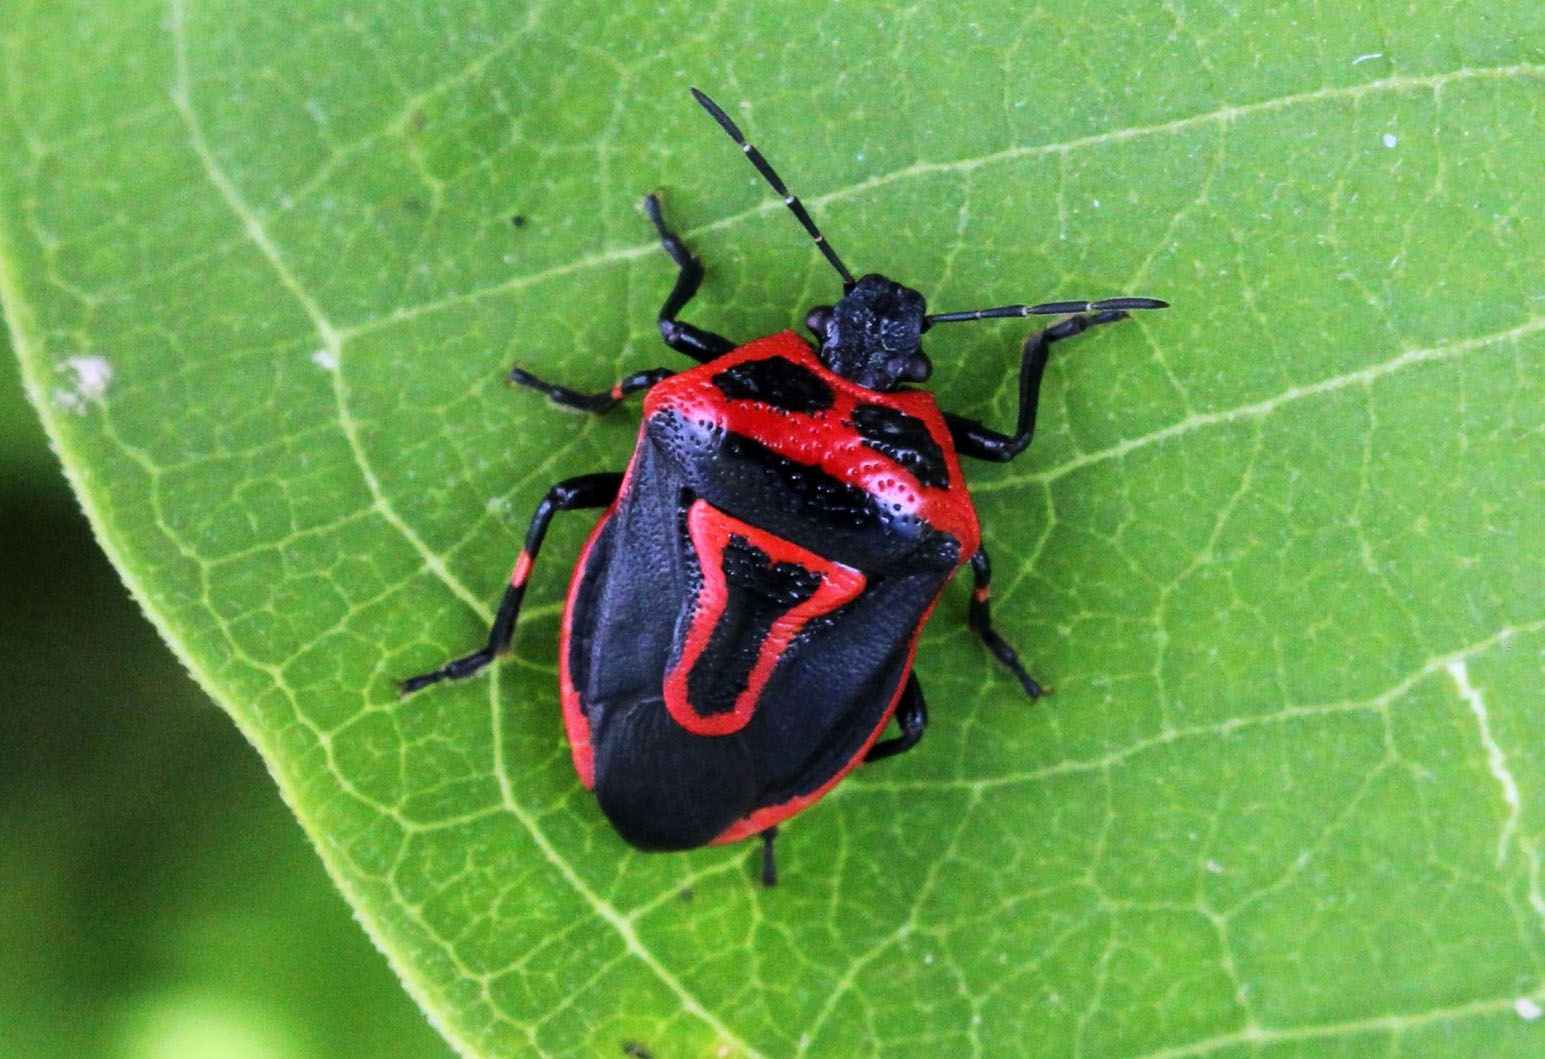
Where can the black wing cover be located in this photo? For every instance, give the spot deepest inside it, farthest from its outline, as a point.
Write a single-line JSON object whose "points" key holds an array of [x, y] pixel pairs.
{"points": [[662, 786]]}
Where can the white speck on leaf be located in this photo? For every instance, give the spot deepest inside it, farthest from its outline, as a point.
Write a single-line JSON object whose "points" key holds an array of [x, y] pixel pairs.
{"points": [[92, 376], [325, 359], [1368, 57], [1214, 867], [1527, 1009], [1390, 139]]}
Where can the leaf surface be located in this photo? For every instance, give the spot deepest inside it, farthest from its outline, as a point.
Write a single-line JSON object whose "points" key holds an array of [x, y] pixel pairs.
{"points": [[1278, 549]]}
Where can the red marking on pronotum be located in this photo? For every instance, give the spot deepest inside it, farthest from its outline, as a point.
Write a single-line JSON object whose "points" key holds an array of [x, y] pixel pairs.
{"points": [[826, 439], [981, 594], [710, 530], [522, 569]]}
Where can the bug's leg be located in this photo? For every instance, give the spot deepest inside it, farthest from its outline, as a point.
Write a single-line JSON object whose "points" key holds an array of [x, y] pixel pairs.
{"points": [[604, 401], [980, 617], [769, 862], [696, 343], [912, 715], [984, 443], [587, 490]]}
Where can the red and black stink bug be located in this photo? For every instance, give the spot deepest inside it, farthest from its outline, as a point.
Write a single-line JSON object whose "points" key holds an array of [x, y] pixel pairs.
{"points": [[741, 625]]}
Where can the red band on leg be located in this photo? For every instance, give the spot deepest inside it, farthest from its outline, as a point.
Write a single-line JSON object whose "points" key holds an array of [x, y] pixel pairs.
{"points": [[522, 569]]}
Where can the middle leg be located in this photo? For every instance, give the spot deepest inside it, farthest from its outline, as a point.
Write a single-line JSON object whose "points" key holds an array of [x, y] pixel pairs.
{"points": [[980, 618]]}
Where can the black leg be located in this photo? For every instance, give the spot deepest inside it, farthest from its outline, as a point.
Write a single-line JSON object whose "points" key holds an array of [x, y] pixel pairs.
{"points": [[604, 401], [769, 862], [981, 621], [588, 490], [912, 715], [974, 439], [696, 343]]}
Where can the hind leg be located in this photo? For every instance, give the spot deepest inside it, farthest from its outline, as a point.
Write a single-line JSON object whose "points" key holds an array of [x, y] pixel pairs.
{"points": [[588, 490], [912, 715]]}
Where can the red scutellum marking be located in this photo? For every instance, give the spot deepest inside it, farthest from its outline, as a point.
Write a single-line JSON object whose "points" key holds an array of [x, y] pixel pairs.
{"points": [[710, 530]]}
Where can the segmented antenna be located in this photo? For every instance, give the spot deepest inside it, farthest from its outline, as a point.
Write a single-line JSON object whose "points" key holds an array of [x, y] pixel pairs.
{"points": [[789, 200], [1046, 309]]}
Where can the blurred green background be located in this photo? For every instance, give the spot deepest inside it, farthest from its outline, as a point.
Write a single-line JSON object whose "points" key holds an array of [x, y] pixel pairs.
{"points": [[156, 897]]}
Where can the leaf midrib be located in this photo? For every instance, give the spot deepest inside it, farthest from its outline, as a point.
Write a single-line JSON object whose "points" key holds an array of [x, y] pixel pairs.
{"points": [[333, 343]]}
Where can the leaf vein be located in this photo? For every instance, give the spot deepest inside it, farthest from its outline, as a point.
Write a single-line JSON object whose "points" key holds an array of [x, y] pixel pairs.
{"points": [[333, 343], [1224, 115], [1260, 409]]}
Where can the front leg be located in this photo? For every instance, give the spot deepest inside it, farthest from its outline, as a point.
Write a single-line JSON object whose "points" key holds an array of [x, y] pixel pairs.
{"points": [[601, 402], [974, 439], [700, 345]]}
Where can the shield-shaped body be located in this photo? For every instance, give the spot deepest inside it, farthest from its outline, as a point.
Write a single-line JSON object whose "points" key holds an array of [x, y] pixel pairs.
{"points": [[743, 618]]}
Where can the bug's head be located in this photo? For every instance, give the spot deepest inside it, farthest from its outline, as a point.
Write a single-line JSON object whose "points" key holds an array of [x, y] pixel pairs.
{"points": [[873, 334]]}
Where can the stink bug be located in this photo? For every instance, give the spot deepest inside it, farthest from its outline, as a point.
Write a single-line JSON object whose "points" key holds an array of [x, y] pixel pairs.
{"points": [[741, 624]]}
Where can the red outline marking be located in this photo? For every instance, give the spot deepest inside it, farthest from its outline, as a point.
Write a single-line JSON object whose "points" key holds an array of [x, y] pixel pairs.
{"points": [[575, 724], [821, 439], [981, 594], [711, 530], [617, 393], [760, 820]]}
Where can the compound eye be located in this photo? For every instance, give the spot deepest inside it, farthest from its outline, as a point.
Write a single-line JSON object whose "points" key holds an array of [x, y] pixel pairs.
{"points": [[818, 319]]}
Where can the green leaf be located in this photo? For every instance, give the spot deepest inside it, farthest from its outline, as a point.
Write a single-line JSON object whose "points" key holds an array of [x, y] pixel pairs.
{"points": [[1279, 548]]}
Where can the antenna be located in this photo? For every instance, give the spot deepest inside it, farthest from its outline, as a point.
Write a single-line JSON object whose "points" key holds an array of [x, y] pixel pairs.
{"points": [[1045, 309], [789, 200]]}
